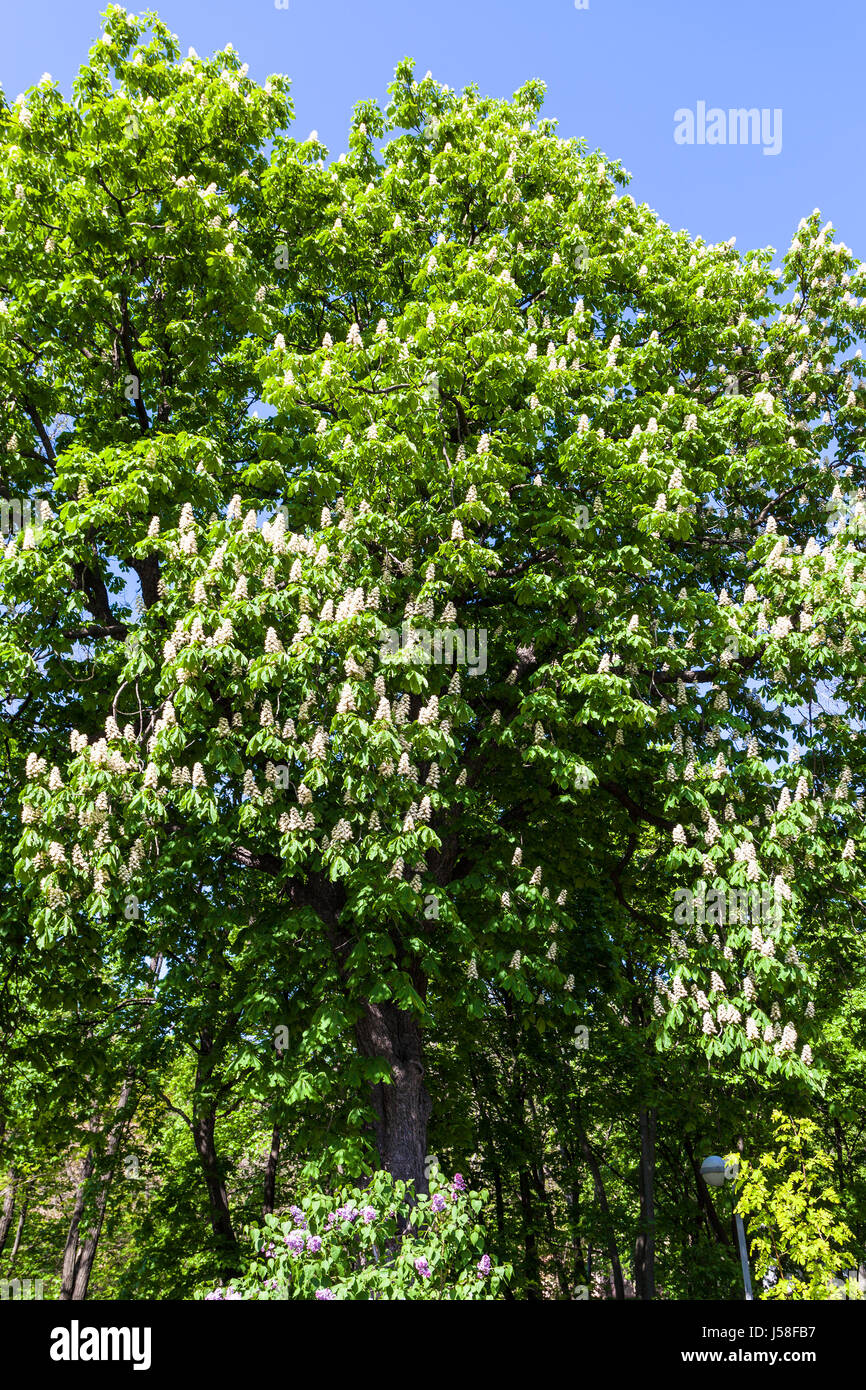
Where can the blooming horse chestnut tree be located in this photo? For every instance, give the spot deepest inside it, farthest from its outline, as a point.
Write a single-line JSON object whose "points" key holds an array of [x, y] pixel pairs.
{"points": [[507, 407], [128, 323]]}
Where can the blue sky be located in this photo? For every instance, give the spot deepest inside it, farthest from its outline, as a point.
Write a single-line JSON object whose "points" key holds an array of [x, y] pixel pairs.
{"points": [[616, 73]]}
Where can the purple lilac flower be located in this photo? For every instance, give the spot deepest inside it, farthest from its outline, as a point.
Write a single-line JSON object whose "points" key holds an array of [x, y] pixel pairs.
{"points": [[298, 1217], [437, 1202], [215, 1293], [422, 1267], [483, 1266], [233, 1293], [314, 1244], [369, 1214], [457, 1183], [295, 1241], [326, 1295]]}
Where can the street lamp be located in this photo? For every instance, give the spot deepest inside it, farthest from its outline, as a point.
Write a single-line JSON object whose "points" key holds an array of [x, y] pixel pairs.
{"points": [[715, 1173]]}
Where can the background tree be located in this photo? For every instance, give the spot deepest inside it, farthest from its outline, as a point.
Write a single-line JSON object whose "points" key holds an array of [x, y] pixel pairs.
{"points": [[797, 1238]]}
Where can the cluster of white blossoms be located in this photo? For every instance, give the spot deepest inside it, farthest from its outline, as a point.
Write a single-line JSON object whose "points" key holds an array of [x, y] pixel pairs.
{"points": [[342, 832]]}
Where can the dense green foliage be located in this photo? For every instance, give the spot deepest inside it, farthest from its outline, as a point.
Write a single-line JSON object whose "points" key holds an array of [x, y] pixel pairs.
{"points": [[340, 1246], [796, 1235], [583, 881]]}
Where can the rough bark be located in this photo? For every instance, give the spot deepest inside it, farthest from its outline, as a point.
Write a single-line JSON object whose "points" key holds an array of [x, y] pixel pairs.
{"points": [[70, 1253], [19, 1231], [204, 1138], [401, 1108], [203, 1129], [87, 1253], [79, 1255], [8, 1209]]}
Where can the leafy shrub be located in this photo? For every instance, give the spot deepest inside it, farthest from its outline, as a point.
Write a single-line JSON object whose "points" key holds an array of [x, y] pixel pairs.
{"points": [[798, 1238], [380, 1241]]}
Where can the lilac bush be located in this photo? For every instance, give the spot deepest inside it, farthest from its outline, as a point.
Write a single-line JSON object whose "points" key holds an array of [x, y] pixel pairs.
{"points": [[378, 1241]]}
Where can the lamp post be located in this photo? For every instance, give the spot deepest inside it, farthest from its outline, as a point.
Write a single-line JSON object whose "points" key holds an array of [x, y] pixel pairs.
{"points": [[715, 1172]]}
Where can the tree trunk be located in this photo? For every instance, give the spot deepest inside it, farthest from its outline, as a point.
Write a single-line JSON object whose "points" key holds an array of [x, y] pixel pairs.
{"points": [[270, 1186], [70, 1253], [601, 1198], [533, 1267], [204, 1138], [203, 1130], [78, 1258], [18, 1232], [401, 1109], [579, 1270], [541, 1178], [87, 1254], [8, 1209], [645, 1245]]}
